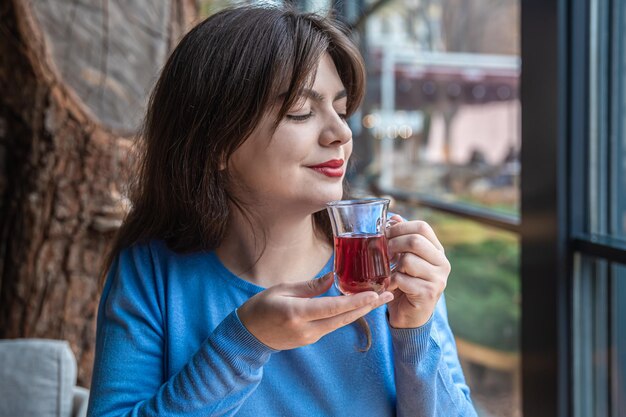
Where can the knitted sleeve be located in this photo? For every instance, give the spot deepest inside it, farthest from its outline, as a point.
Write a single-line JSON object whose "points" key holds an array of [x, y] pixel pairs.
{"points": [[429, 378], [129, 369]]}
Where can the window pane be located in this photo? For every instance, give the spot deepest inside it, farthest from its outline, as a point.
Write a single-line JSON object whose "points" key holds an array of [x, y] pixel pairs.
{"points": [[618, 380], [598, 180], [443, 110], [591, 337], [483, 299], [619, 162], [607, 121], [599, 324], [620, 179], [599, 318]]}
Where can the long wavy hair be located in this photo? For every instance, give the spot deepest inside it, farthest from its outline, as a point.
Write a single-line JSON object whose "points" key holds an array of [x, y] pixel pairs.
{"points": [[218, 83]]}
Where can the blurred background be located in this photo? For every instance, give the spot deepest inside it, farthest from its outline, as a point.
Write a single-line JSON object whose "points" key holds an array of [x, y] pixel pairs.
{"points": [[441, 123], [439, 132]]}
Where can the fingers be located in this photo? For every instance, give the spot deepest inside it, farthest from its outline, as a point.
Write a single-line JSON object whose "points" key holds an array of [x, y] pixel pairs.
{"points": [[419, 245], [414, 227], [308, 289], [330, 324], [415, 266], [421, 289], [282, 320], [325, 307], [397, 219], [392, 221]]}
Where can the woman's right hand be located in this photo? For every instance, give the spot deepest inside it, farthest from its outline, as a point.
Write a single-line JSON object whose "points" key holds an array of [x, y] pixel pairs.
{"points": [[286, 316]]}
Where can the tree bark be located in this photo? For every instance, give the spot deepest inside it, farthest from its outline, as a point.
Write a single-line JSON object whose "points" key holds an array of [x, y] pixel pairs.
{"points": [[74, 78]]}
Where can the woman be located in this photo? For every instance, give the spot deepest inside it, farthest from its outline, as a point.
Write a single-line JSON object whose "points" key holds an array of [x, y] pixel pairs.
{"points": [[218, 299]]}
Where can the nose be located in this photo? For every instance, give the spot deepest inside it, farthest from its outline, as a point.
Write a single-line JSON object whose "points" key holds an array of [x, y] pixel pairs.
{"points": [[336, 131]]}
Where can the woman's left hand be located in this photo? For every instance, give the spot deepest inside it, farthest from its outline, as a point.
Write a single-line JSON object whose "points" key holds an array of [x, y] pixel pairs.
{"points": [[421, 273]]}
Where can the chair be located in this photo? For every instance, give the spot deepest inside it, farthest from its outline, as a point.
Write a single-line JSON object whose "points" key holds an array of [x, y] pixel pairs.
{"points": [[38, 378]]}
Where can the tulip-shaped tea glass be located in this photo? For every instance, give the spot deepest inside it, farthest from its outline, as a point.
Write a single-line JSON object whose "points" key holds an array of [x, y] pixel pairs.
{"points": [[361, 259]]}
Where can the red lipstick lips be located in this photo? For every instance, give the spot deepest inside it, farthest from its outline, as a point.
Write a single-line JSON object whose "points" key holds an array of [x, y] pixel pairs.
{"points": [[330, 168]]}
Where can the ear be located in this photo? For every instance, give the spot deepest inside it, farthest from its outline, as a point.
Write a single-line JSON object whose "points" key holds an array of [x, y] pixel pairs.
{"points": [[223, 163]]}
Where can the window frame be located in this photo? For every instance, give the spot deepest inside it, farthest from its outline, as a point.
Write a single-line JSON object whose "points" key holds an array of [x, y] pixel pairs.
{"points": [[554, 211], [553, 224]]}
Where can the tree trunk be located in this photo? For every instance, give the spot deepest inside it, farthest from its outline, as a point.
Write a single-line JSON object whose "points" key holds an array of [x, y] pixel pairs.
{"points": [[74, 79]]}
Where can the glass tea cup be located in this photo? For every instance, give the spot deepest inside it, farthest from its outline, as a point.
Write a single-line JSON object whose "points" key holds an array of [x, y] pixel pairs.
{"points": [[361, 259]]}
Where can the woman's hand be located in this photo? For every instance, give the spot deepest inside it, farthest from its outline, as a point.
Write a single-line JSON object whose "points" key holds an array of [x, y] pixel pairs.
{"points": [[285, 316], [421, 273]]}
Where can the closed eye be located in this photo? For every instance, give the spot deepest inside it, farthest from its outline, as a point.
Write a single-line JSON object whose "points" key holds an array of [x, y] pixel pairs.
{"points": [[299, 117]]}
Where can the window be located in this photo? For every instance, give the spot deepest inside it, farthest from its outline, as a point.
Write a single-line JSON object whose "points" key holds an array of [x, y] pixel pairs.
{"points": [[599, 213], [573, 250], [442, 121]]}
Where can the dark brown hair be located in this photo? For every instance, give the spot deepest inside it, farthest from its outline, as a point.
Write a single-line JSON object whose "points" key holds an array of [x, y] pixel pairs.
{"points": [[216, 86]]}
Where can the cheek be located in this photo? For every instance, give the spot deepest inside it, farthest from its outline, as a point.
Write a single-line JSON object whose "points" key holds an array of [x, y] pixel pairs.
{"points": [[293, 144], [348, 149]]}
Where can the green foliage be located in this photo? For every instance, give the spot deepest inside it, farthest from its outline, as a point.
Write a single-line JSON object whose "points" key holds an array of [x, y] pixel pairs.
{"points": [[483, 292], [209, 7]]}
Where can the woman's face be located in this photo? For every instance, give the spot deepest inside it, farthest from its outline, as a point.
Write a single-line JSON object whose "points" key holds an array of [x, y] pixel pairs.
{"points": [[302, 163]]}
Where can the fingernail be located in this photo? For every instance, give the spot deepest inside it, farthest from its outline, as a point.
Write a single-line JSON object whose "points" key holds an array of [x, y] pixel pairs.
{"points": [[386, 297], [373, 300]]}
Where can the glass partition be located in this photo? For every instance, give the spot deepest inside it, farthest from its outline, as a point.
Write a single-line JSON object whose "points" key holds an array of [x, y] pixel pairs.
{"points": [[599, 338], [443, 110], [484, 307], [618, 359], [599, 204]]}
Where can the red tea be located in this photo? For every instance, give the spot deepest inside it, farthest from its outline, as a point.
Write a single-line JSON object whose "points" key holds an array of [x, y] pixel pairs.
{"points": [[361, 263]]}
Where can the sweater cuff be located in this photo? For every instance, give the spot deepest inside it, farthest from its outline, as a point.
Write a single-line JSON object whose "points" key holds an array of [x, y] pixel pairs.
{"points": [[410, 345], [240, 347]]}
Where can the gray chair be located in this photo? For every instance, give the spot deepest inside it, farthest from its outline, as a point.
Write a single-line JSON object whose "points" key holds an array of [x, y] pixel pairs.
{"points": [[38, 379]]}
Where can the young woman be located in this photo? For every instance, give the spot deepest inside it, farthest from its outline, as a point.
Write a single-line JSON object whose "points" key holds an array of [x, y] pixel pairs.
{"points": [[219, 298]]}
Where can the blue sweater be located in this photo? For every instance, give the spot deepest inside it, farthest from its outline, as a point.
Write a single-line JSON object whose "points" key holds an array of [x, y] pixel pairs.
{"points": [[169, 343]]}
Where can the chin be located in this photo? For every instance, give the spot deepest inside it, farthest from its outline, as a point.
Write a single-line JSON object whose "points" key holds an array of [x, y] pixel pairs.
{"points": [[319, 200]]}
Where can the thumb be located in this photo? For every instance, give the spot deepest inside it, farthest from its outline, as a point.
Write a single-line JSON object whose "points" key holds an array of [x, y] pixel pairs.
{"points": [[311, 288]]}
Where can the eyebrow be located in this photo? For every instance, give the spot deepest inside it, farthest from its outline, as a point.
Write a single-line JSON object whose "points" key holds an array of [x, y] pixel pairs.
{"points": [[317, 96]]}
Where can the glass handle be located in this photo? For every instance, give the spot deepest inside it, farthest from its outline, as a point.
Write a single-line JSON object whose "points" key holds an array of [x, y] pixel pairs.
{"points": [[393, 263]]}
